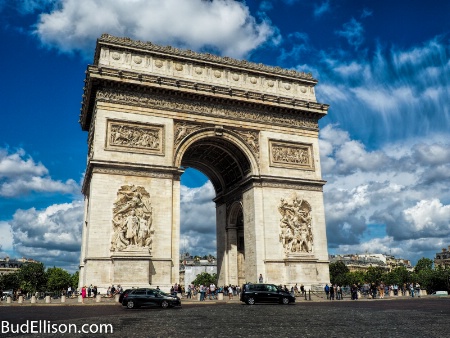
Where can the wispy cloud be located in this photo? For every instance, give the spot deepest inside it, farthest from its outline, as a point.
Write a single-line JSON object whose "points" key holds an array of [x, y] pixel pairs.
{"points": [[395, 87], [366, 13], [321, 9], [353, 32]]}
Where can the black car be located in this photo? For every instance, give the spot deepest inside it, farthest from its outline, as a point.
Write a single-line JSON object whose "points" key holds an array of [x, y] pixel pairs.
{"points": [[149, 297], [127, 291], [265, 293]]}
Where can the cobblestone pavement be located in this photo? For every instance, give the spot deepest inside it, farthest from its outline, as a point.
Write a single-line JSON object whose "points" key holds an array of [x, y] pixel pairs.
{"points": [[398, 317]]}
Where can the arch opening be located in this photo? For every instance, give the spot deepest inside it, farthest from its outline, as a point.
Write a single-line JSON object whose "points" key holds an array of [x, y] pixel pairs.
{"points": [[226, 166]]}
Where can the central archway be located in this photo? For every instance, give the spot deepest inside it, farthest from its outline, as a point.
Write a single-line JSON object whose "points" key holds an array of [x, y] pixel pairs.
{"points": [[224, 161]]}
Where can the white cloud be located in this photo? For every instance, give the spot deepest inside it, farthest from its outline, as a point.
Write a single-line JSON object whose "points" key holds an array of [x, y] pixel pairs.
{"points": [[198, 215], [51, 235], [7, 237], [20, 175], [225, 26], [429, 215], [18, 164], [403, 188]]}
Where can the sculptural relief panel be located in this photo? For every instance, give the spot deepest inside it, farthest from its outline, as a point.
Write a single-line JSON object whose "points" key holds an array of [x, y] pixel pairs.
{"points": [[183, 129], [140, 138], [132, 220], [291, 155], [295, 225]]}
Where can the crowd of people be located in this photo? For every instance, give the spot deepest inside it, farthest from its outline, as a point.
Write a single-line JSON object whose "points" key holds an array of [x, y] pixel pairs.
{"points": [[371, 290], [209, 292]]}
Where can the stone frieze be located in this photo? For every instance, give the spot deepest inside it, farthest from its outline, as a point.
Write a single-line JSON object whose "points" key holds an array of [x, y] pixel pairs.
{"points": [[224, 110]]}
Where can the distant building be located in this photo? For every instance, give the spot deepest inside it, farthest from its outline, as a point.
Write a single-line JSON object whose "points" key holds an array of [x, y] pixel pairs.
{"points": [[191, 267], [442, 258], [8, 265], [362, 262]]}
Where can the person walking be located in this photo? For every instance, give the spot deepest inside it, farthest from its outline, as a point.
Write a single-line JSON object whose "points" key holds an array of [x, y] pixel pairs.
{"points": [[83, 294]]}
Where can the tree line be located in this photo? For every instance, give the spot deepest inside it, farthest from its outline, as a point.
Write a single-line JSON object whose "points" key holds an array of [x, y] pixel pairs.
{"points": [[33, 277], [429, 277]]}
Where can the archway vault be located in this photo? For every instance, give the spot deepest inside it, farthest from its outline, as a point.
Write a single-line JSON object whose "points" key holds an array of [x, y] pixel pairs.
{"points": [[224, 158]]}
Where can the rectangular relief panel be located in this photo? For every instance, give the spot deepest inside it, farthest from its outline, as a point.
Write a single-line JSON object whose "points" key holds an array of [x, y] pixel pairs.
{"points": [[291, 155], [135, 137]]}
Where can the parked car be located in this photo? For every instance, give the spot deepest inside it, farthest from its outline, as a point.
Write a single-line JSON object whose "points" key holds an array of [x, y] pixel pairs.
{"points": [[149, 297], [265, 293], [8, 293], [123, 295]]}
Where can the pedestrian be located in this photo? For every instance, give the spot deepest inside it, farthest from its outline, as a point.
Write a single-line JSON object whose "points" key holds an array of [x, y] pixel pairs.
{"points": [[230, 292], [331, 290], [381, 289], [327, 290], [83, 294], [261, 279]]}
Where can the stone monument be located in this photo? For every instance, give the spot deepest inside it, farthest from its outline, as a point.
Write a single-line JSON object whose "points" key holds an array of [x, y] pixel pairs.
{"points": [[150, 113]]}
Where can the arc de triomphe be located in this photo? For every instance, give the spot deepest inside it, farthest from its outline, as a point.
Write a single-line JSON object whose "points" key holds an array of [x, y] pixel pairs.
{"points": [[152, 111]]}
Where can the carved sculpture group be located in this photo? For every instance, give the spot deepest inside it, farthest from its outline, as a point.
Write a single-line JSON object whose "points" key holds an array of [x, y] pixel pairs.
{"points": [[134, 136], [290, 155], [132, 219], [296, 235]]}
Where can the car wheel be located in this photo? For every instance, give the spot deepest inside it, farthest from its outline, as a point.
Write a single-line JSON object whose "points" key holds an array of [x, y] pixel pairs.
{"points": [[130, 304], [285, 300], [164, 304], [250, 301]]}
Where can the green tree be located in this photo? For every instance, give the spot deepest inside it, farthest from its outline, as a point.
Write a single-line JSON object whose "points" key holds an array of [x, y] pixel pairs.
{"points": [[57, 279], [399, 276], [9, 281], [355, 277], [423, 264], [338, 273], [205, 278], [32, 277], [74, 279], [374, 274]]}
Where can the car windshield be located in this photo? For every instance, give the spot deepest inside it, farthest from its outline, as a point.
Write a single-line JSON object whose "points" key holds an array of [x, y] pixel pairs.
{"points": [[161, 293]]}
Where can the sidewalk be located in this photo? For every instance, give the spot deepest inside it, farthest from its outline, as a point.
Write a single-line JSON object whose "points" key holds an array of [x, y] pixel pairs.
{"points": [[111, 300]]}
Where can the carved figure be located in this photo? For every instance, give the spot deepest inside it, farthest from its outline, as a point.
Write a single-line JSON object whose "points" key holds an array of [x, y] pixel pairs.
{"points": [[132, 219], [295, 223]]}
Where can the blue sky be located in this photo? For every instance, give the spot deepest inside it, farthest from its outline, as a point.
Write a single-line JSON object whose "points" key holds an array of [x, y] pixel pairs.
{"points": [[383, 66]]}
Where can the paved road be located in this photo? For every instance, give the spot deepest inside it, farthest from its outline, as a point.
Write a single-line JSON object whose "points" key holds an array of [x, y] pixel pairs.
{"points": [[425, 317]]}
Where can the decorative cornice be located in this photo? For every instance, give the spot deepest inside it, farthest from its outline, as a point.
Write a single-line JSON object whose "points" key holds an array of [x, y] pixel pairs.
{"points": [[284, 183], [101, 77], [127, 169], [128, 43]]}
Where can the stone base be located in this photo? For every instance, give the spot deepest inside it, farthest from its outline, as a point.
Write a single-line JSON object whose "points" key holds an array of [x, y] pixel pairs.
{"points": [[298, 269]]}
